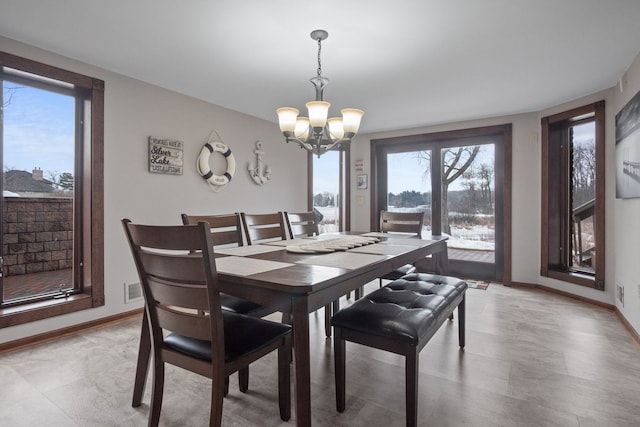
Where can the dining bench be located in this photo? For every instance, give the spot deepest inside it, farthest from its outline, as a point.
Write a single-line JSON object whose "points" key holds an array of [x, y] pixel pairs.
{"points": [[401, 318]]}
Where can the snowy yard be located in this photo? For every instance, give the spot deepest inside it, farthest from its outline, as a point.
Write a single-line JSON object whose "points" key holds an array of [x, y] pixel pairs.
{"points": [[477, 237]]}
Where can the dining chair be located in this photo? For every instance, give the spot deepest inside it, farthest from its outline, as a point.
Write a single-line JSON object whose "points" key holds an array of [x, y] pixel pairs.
{"points": [[406, 223], [188, 327], [266, 227], [226, 231], [305, 224], [302, 224]]}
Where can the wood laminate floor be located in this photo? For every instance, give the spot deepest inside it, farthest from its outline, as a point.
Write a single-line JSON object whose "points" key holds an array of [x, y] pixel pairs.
{"points": [[532, 359]]}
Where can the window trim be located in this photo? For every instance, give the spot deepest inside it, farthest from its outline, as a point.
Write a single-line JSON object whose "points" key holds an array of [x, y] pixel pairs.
{"points": [[546, 268], [92, 201]]}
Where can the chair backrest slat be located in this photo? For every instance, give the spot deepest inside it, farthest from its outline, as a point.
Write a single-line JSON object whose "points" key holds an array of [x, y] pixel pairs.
{"points": [[225, 229], [302, 224], [263, 227], [192, 325], [401, 222], [185, 295]]}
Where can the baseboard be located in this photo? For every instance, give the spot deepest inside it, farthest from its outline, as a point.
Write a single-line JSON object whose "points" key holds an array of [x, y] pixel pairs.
{"points": [[565, 294], [59, 333], [628, 326], [634, 334]]}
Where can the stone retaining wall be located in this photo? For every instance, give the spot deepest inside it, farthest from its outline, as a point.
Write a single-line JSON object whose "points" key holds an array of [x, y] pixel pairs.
{"points": [[38, 235]]}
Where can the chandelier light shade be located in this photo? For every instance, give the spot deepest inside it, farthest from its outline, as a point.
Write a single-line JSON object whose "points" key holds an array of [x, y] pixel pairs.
{"points": [[318, 133]]}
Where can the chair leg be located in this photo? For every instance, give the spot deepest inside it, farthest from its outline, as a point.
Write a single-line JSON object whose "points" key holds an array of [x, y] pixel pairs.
{"points": [[339, 368], [286, 318], [411, 387], [218, 391], [284, 379], [461, 321], [142, 368], [156, 393], [243, 379]]}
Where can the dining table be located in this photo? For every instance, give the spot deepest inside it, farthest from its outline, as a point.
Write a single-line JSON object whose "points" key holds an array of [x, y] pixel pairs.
{"points": [[299, 276]]}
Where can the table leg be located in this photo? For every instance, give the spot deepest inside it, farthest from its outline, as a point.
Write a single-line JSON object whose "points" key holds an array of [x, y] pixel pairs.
{"points": [[144, 353], [441, 261], [300, 323]]}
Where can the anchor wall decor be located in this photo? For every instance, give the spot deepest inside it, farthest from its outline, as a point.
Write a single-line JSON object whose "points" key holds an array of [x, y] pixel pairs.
{"points": [[259, 173]]}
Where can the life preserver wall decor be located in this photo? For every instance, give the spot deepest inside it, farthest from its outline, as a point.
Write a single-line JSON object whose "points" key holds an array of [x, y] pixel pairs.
{"points": [[204, 169]]}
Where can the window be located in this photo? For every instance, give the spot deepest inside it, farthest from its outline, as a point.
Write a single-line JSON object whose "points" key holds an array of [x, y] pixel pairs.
{"points": [[573, 196], [330, 190], [51, 152]]}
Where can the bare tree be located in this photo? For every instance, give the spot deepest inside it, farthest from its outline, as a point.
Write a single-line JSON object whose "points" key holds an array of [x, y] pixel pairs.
{"points": [[455, 162], [54, 177], [7, 94]]}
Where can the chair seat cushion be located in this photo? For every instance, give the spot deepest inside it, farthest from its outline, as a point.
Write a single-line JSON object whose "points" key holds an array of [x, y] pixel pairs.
{"points": [[399, 272], [242, 335], [238, 305], [409, 309]]}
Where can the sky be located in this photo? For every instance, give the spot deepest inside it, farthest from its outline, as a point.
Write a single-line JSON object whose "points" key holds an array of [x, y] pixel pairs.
{"points": [[38, 130]]}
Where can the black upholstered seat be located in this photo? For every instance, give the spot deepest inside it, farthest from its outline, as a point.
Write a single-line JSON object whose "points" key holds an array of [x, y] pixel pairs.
{"points": [[242, 335]]}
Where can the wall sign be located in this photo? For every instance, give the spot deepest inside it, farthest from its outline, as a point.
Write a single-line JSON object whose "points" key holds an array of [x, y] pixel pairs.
{"points": [[165, 155]]}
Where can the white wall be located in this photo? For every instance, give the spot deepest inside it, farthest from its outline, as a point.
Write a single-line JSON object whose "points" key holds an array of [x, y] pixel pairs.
{"points": [[134, 111], [626, 214]]}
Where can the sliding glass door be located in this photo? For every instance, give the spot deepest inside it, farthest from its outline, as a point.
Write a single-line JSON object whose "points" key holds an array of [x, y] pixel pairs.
{"points": [[457, 181]]}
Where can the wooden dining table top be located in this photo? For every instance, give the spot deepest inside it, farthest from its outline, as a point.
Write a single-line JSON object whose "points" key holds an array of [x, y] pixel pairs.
{"points": [[305, 273]]}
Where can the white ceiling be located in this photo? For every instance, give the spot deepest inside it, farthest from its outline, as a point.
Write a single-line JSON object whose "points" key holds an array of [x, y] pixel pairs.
{"points": [[407, 63]]}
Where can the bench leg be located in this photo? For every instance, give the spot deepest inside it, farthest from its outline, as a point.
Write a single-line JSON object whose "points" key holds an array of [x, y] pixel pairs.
{"points": [[339, 368], [461, 321], [411, 387]]}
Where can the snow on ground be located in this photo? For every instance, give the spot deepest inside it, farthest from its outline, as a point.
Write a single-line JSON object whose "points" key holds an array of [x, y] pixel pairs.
{"points": [[480, 238]]}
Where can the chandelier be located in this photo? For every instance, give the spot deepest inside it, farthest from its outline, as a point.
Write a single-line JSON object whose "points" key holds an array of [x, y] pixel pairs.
{"points": [[317, 133]]}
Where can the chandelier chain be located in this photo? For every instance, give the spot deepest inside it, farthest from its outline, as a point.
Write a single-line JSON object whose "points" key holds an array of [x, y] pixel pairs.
{"points": [[319, 63]]}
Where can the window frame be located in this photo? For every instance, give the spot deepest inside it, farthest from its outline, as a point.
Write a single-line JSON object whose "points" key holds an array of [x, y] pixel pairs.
{"points": [[89, 217], [553, 130], [345, 188]]}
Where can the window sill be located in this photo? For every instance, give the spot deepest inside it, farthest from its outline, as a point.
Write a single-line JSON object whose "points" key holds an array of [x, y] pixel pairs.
{"points": [[24, 313], [575, 278]]}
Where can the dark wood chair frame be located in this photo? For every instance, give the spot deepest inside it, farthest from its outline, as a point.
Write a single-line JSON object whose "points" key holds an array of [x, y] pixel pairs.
{"points": [[305, 224], [189, 281], [262, 227], [226, 229], [400, 222]]}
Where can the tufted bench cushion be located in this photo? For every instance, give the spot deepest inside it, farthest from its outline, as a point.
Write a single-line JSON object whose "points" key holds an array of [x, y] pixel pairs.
{"points": [[409, 309], [400, 318]]}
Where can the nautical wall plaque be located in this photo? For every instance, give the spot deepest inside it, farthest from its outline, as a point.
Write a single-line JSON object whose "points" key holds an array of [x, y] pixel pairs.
{"points": [[165, 155]]}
